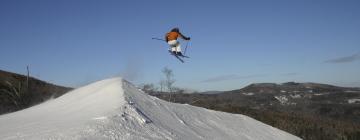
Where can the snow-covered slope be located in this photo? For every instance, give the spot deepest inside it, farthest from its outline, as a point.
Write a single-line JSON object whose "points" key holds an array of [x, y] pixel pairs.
{"points": [[115, 109]]}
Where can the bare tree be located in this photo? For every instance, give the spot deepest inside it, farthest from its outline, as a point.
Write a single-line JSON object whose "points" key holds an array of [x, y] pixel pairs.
{"points": [[169, 80], [162, 85]]}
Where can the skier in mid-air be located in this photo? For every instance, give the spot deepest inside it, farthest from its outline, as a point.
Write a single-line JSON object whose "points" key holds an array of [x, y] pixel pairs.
{"points": [[171, 38]]}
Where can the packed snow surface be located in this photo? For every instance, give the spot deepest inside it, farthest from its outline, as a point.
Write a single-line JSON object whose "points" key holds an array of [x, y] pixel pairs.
{"points": [[352, 101], [115, 109]]}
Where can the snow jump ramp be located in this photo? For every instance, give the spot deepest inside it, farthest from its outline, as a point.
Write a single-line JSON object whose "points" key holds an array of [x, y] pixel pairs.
{"points": [[115, 109]]}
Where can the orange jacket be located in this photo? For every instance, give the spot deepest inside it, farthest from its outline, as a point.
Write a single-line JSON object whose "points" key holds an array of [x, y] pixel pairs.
{"points": [[174, 35]]}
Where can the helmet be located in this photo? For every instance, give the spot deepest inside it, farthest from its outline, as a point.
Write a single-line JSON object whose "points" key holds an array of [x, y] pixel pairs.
{"points": [[176, 29]]}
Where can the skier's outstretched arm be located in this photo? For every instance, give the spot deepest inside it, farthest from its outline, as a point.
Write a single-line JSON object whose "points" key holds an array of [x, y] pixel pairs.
{"points": [[184, 37], [166, 37]]}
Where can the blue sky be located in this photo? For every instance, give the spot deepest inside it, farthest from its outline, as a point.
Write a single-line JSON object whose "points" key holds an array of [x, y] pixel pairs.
{"points": [[234, 43]]}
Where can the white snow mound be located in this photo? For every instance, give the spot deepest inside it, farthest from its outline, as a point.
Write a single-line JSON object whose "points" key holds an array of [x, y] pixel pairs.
{"points": [[115, 109]]}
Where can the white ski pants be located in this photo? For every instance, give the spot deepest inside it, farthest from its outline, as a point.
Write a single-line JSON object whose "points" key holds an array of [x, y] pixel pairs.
{"points": [[174, 46]]}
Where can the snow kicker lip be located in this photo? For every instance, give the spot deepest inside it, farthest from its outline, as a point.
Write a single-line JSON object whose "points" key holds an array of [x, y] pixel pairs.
{"points": [[116, 109]]}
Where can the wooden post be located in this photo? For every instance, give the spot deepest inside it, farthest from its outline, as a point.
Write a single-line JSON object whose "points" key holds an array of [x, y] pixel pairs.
{"points": [[27, 77]]}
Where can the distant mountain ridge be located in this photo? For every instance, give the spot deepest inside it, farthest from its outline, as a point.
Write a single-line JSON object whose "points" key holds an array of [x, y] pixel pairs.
{"points": [[293, 86], [287, 86], [211, 92]]}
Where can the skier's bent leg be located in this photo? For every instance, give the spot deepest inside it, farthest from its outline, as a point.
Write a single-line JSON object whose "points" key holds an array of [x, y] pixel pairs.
{"points": [[173, 46], [178, 49], [173, 50]]}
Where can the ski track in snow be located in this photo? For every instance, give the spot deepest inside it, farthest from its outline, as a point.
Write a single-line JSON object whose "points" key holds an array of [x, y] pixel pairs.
{"points": [[114, 109]]}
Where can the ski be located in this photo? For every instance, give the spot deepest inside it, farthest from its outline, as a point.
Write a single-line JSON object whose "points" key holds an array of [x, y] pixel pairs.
{"points": [[183, 56], [177, 56]]}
